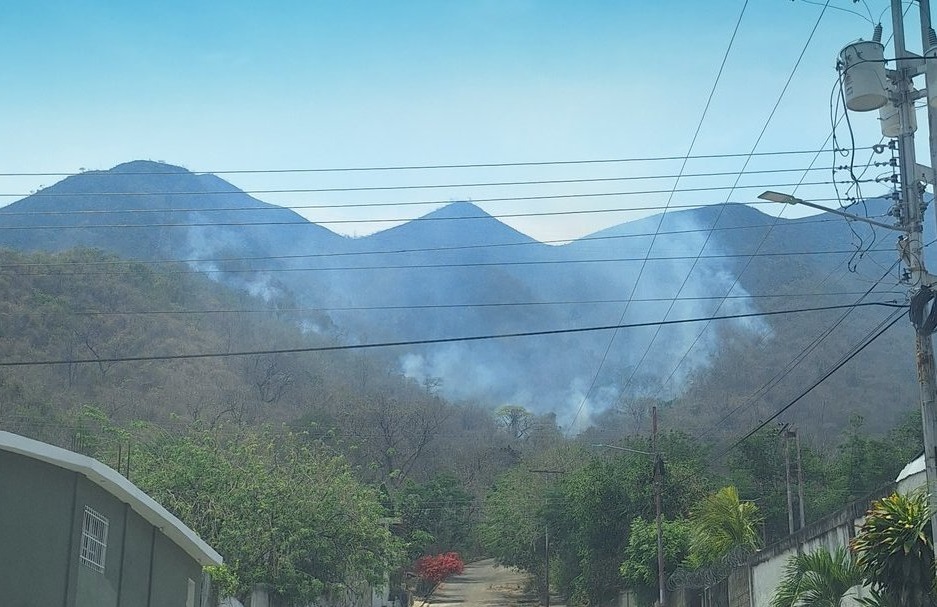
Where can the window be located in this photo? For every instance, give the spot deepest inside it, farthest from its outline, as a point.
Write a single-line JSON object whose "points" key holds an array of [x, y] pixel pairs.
{"points": [[93, 540]]}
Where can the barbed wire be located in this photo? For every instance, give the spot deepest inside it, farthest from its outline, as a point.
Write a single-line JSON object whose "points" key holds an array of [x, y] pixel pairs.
{"points": [[709, 576]]}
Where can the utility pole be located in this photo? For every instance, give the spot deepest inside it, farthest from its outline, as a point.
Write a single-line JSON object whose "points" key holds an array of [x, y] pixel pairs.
{"points": [[928, 411], [911, 245], [546, 558], [787, 479], [546, 542], [658, 481], [800, 480], [789, 432]]}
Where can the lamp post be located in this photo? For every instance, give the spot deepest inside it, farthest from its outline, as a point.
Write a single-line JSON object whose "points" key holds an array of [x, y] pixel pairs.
{"points": [[788, 199], [911, 252], [658, 481]]}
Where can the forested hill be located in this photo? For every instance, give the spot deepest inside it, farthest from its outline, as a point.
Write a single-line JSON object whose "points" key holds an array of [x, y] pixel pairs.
{"points": [[460, 272], [93, 307]]}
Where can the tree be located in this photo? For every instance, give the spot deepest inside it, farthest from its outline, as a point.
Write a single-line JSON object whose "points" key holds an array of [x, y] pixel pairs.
{"points": [[516, 420], [281, 510], [435, 516], [818, 579], [757, 469], [521, 507], [722, 523], [639, 570], [895, 549]]}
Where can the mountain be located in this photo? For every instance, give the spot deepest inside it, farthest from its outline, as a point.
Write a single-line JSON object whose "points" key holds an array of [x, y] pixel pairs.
{"points": [[149, 211], [459, 272]]}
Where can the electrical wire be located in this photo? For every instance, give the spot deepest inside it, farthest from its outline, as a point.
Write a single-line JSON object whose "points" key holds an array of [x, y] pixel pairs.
{"points": [[435, 266], [423, 342], [420, 307], [738, 178], [845, 10], [47, 193], [407, 220], [415, 167], [112, 262], [890, 322], [795, 362], [686, 157], [744, 269]]}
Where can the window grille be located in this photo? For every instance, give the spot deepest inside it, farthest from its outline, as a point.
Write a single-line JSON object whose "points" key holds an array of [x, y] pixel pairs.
{"points": [[93, 540]]}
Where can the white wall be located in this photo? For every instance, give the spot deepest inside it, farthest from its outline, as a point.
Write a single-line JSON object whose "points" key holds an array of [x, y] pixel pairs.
{"points": [[831, 532]]}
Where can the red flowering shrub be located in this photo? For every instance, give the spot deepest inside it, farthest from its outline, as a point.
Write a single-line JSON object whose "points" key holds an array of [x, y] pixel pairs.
{"points": [[436, 568]]}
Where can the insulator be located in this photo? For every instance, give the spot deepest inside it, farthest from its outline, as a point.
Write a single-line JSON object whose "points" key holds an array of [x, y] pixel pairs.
{"points": [[877, 33]]}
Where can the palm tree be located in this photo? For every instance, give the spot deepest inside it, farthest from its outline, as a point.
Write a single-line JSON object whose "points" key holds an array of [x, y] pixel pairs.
{"points": [[896, 551], [724, 523], [818, 579]]}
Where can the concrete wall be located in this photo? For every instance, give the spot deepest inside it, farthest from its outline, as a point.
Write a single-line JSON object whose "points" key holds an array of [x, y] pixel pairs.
{"points": [[41, 514], [35, 532], [831, 532], [739, 587]]}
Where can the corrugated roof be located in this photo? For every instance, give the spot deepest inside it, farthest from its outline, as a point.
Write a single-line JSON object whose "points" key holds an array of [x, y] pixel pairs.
{"points": [[111, 481], [915, 467]]}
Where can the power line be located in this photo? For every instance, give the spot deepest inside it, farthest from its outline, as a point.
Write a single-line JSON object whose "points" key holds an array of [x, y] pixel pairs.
{"points": [[45, 193], [415, 167], [893, 319], [738, 178], [399, 220], [797, 360], [276, 208], [526, 243], [660, 222], [419, 307], [424, 342], [435, 266]]}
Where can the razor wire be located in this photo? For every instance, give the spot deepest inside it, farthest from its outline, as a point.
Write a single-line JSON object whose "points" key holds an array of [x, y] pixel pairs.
{"points": [[712, 574]]}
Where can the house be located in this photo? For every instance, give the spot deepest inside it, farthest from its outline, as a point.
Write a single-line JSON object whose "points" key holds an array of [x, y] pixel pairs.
{"points": [[75, 533]]}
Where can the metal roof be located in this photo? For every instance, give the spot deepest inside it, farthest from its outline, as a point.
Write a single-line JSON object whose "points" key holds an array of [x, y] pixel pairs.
{"points": [[111, 481], [915, 467]]}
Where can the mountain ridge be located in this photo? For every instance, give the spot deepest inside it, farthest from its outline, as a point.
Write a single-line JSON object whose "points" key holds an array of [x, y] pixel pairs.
{"points": [[458, 272]]}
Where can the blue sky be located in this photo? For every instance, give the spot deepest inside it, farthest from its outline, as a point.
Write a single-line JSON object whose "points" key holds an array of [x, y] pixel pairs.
{"points": [[247, 85]]}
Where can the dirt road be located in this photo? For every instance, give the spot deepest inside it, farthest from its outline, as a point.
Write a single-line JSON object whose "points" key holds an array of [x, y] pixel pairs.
{"points": [[483, 585]]}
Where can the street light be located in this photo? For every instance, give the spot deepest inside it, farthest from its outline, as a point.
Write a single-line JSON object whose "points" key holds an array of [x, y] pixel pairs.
{"points": [[788, 199]]}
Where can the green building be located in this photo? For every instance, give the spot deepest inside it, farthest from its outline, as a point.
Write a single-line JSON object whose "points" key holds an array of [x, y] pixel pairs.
{"points": [[75, 533]]}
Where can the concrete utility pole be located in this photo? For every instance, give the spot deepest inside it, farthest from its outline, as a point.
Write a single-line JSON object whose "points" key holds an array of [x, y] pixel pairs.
{"points": [[800, 479], [787, 479], [928, 412], [789, 432], [546, 543], [658, 481], [546, 558], [911, 245]]}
